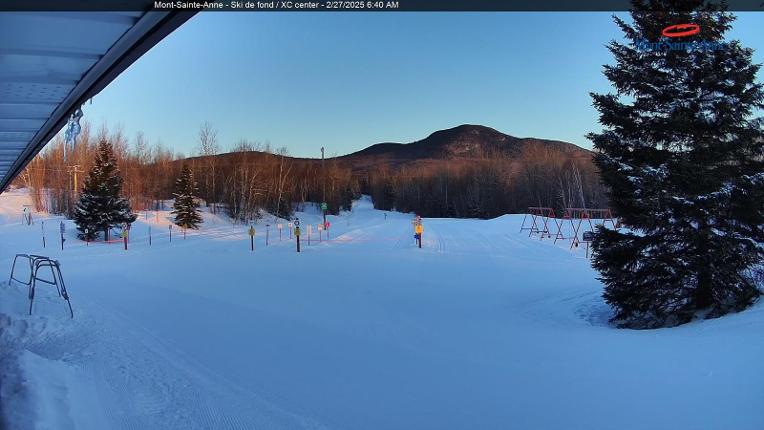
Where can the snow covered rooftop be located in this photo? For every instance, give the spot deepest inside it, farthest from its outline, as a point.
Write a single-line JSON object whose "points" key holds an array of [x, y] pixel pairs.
{"points": [[51, 62]]}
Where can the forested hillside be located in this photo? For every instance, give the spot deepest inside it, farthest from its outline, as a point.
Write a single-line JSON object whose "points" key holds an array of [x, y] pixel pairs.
{"points": [[466, 171]]}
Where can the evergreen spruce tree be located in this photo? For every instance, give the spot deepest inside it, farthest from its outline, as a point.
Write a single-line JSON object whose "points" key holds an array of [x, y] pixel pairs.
{"points": [[683, 158], [100, 206], [186, 208]]}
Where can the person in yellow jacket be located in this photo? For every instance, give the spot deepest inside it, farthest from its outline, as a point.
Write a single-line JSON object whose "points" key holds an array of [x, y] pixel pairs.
{"points": [[418, 230]]}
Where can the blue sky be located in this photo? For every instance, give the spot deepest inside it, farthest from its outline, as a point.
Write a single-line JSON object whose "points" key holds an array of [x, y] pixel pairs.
{"points": [[347, 80]]}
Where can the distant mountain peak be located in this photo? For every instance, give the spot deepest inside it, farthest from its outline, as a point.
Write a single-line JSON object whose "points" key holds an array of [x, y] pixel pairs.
{"points": [[462, 141]]}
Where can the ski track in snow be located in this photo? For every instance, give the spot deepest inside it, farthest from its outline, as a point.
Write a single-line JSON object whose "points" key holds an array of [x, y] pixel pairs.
{"points": [[141, 383], [484, 327]]}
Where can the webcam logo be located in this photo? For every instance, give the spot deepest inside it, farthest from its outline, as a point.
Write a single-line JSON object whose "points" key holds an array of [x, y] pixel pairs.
{"points": [[681, 30]]}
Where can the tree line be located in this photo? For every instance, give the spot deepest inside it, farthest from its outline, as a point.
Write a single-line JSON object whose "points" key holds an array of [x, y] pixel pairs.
{"points": [[250, 179], [489, 186], [253, 178]]}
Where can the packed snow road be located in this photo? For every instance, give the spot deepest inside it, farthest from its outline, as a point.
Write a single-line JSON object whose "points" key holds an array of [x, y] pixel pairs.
{"points": [[481, 328]]}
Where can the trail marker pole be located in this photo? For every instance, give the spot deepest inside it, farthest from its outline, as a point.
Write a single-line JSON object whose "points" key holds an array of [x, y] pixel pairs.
{"points": [[149, 235], [170, 228], [280, 226], [323, 186], [42, 227], [62, 229], [297, 232], [267, 233], [588, 237], [324, 207], [87, 237], [26, 216], [251, 238]]}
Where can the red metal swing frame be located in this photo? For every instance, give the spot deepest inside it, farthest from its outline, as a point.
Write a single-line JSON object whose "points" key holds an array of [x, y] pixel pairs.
{"points": [[540, 217], [577, 216]]}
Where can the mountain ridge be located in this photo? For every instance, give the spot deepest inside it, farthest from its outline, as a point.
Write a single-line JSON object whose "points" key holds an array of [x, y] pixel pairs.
{"points": [[465, 140]]}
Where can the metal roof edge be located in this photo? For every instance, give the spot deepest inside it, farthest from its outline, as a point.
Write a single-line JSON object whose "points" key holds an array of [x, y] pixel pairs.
{"points": [[149, 30]]}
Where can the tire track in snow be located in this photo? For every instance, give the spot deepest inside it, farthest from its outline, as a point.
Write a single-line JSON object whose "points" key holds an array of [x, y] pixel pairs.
{"points": [[168, 391]]}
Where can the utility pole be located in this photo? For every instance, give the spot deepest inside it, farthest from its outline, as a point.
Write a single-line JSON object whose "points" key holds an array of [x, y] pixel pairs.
{"points": [[323, 197], [74, 170], [71, 198]]}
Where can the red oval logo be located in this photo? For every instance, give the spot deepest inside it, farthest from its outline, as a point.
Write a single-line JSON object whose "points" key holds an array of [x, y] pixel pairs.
{"points": [[681, 30]]}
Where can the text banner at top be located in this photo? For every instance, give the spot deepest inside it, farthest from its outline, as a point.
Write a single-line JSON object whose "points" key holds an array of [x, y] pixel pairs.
{"points": [[347, 6]]}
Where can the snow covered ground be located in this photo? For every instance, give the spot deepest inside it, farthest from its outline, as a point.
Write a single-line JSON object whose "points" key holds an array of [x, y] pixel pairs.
{"points": [[483, 328]]}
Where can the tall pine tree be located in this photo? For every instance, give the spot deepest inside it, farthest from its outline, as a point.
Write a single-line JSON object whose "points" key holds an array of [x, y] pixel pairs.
{"points": [[186, 207], [683, 158], [100, 206]]}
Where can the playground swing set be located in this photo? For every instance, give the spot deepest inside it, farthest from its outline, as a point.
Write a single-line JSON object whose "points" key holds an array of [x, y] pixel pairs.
{"points": [[576, 224]]}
